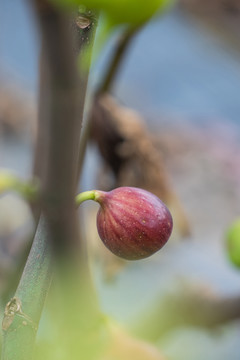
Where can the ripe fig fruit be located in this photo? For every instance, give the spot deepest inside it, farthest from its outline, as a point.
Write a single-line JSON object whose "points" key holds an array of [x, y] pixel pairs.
{"points": [[132, 223]]}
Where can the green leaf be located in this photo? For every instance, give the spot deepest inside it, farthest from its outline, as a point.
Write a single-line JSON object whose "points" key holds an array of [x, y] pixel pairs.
{"points": [[133, 12], [233, 243]]}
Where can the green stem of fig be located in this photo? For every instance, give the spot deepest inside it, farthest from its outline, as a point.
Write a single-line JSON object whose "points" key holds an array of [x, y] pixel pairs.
{"points": [[86, 195]]}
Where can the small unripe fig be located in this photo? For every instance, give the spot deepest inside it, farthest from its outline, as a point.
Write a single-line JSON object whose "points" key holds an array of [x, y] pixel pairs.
{"points": [[233, 242], [132, 223]]}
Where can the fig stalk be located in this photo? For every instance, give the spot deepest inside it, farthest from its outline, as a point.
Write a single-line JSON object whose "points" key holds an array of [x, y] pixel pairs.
{"points": [[86, 195]]}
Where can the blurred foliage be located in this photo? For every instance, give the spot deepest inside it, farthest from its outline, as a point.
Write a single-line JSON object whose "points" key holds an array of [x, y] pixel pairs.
{"points": [[10, 182], [233, 243], [133, 12], [72, 328]]}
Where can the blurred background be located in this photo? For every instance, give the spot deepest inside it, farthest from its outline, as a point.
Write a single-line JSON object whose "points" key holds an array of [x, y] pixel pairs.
{"points": [[182, 76]]}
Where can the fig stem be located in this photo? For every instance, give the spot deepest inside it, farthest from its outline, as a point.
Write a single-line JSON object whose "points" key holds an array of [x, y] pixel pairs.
{"points": [[86, 195]]}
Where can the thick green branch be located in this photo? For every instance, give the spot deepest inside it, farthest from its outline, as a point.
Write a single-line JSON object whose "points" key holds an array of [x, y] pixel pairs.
{"points": [[23, 312]]}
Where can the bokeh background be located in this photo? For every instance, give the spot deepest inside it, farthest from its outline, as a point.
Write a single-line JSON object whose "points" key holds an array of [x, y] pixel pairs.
{"points": [[182, 74]]}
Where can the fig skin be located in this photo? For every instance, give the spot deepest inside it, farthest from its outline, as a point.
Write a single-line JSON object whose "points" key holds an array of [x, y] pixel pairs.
{"points": [[132, 222]]}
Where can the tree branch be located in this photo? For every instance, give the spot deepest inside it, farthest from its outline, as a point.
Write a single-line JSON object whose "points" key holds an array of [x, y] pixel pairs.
{"points": [[122, 46], [23, 312], [114, 65], [62, 97]]}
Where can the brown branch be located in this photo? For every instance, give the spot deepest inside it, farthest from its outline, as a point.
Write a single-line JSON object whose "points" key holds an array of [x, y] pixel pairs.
{"points": [[122, 46], [62, 104], [65, 108]]}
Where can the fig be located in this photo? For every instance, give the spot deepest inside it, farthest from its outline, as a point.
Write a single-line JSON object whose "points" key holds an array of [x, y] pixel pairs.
{"points": [[132, 222], [233, 243]]}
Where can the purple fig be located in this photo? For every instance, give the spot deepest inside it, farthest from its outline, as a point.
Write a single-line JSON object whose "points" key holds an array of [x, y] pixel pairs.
{"points": [[132, 223]]}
